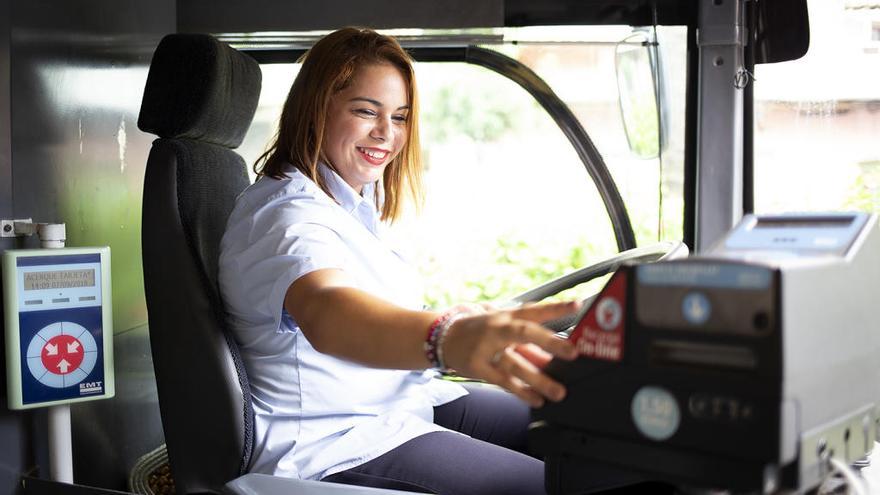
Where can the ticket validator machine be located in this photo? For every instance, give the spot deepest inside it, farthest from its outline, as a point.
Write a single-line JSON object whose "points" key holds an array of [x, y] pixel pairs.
{"points": [[58, 323], [57, 307], [746, 368]]}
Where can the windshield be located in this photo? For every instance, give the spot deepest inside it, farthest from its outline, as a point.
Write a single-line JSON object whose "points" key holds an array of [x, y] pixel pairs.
{"points": [[509, 203]]}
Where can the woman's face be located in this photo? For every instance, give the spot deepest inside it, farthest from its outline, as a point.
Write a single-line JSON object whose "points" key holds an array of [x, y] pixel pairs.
{"points": [[367, 124]]}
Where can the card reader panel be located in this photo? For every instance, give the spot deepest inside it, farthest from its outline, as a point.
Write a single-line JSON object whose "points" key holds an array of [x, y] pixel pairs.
{"points": [[698, 362]]}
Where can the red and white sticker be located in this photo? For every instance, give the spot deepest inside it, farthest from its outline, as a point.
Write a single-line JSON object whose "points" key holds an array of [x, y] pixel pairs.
{"points": [[62, 354], [599, 334]]}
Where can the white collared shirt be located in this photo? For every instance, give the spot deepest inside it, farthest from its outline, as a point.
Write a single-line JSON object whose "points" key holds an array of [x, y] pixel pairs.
{"points": [[315, 414]]}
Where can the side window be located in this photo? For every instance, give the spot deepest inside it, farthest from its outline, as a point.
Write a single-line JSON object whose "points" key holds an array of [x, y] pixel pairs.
{"points": [[277, 79], [581, 66], [817, 119], [510, 205]]}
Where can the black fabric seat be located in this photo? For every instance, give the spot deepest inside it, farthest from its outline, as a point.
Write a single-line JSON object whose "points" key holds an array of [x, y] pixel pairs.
{"points": [[200, 98]]}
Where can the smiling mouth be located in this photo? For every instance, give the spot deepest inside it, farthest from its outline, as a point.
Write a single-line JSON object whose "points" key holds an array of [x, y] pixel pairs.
{"points": [[374, 155]]}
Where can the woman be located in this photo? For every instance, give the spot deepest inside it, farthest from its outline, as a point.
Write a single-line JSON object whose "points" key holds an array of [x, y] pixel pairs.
{"points": [[340, 357]]}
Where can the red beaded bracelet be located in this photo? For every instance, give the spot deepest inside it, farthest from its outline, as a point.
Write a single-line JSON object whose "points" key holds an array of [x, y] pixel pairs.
{"points": [[436, 335]]}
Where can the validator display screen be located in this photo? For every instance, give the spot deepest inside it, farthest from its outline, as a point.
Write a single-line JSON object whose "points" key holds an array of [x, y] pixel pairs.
{"points": [[804, 222], [59, 279]]}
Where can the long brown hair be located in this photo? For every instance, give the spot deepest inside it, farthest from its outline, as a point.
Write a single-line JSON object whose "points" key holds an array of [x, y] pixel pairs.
{"points": [[327, 68]]}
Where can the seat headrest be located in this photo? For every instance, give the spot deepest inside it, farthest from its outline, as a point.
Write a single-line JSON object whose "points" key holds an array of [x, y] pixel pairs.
{"points": [[199, 88]]}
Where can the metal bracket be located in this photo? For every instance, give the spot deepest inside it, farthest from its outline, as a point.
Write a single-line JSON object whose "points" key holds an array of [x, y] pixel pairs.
{"points": [[17, 227], [721, 36], [849, 439]]}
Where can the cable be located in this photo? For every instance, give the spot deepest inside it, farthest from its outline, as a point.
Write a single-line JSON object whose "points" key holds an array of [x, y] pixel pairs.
{"points": [[853, 480], [655, 74]]}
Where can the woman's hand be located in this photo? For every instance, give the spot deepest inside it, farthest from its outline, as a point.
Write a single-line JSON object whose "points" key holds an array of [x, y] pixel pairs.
{"points": [[509, 348]]}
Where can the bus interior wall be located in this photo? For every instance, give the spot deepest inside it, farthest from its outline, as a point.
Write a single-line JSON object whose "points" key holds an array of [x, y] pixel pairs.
{"points": [[71, 76]]}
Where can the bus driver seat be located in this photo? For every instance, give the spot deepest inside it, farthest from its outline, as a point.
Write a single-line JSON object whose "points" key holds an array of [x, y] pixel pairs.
{"points": [[200, 98]]}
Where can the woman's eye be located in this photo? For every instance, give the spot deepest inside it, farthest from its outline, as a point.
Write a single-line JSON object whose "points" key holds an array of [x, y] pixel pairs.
{"points": [[365, 112], [400, 119]]}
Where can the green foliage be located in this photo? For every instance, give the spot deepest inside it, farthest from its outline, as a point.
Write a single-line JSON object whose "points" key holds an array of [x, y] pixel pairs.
{"points": [[639, 103], [516, 267], [642, 130], [480, 114], [865, 192]]}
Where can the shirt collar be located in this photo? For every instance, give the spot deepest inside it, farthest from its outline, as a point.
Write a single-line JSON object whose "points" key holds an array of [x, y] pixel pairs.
{"points": [[343, 193], [362, 207]]}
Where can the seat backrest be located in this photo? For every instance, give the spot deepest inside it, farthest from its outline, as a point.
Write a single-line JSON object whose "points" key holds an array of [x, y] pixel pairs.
{"points": [[200, 98]]}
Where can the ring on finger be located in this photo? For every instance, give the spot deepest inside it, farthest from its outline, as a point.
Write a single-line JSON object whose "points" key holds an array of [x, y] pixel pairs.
{"points": [[496, 358]]}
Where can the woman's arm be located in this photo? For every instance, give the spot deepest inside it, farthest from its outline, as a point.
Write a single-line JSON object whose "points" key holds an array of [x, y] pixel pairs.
{"points": [[506, 347], [349, 323]]}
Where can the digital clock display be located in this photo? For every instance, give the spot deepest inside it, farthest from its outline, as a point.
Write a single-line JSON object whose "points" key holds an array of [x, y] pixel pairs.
{"points": [[59, 279]]}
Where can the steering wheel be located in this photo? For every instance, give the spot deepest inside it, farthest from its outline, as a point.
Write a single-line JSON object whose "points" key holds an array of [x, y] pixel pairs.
{"points": [[660, 251]]}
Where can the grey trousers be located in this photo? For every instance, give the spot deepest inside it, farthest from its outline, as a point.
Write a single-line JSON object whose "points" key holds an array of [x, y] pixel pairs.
{"points": [[493, 458]]}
